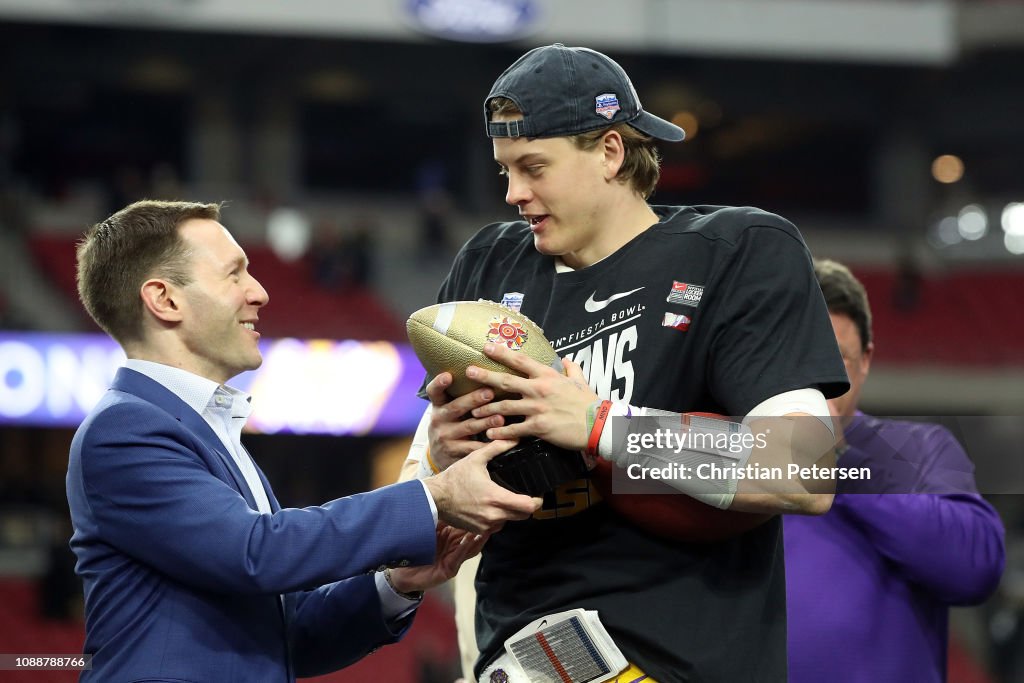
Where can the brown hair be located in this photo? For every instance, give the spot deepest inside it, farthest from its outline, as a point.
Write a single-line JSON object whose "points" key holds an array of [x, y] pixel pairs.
{"points": [[117, 255], [641, 166], [845, 295]]}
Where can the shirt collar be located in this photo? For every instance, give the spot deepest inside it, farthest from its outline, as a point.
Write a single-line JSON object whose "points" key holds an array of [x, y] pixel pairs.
{"points": [[197, 392], [237, 400]]}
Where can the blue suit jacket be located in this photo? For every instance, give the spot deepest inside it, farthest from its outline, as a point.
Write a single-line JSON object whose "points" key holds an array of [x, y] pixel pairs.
{"points": [[182, 575]]}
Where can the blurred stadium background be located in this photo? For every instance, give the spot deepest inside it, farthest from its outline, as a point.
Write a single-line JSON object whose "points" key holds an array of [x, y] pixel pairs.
{"points": [[346, 138]]}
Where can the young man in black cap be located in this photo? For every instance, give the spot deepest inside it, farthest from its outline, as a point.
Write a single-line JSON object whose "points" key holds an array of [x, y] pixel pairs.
{"points": [[656, 310]]}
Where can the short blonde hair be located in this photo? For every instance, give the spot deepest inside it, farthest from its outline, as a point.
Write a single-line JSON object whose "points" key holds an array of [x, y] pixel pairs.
{"points": [[641, 167]]}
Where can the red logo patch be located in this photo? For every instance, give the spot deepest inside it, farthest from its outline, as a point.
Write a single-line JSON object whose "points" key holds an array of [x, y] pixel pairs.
{"points": [[507, 332]]}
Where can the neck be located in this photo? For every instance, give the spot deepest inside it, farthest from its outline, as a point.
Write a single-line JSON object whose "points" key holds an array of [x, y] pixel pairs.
{"points": [[174, 358], [620, 223]]}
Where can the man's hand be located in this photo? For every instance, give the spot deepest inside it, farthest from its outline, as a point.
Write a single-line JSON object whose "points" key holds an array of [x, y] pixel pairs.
{"points": [[467, 498], [554, 405], [454, 547], [450, 434]]}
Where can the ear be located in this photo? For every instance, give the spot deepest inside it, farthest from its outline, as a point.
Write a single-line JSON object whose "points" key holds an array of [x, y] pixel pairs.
{"points": [[865, 359], [161, 299], [614, 151]]}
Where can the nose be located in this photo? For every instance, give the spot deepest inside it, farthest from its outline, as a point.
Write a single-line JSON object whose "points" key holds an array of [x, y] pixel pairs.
{"points": [[257, 295], [518, 191]]}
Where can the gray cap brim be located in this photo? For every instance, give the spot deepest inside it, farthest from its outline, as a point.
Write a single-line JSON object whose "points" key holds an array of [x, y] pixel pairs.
{"points": [[657, 127]]}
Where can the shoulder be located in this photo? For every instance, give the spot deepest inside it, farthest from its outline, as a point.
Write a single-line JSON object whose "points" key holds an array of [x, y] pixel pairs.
{"points": [[909, 438], [127, 438], [918, 457], [499, 234], [729, 224], [901, 430], [501, 247], [122, 413]]}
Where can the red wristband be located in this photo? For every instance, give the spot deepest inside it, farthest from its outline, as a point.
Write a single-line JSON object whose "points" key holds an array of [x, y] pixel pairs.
{"points": [[600, 417]]}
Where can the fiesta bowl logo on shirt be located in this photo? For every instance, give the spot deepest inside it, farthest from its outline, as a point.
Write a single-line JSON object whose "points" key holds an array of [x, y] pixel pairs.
{"points": [[607, 105], [513, 300], [507, 332]]}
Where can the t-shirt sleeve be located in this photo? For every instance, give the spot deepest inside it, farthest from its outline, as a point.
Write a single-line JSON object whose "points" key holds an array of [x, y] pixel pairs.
{"points": [[772, 332], [452, 289], [448, 289]]}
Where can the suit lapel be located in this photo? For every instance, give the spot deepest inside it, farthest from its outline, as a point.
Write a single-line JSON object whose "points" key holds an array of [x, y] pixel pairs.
{"points": [[147, 389], [274, 505]]}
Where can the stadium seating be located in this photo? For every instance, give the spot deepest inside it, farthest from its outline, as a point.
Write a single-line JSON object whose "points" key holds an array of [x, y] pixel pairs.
{"points": [[961, 318], [299, 308]]}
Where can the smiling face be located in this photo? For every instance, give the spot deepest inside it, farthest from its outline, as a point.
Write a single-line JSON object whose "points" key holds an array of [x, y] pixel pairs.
{"points": [[220, 305], [562, 191]]}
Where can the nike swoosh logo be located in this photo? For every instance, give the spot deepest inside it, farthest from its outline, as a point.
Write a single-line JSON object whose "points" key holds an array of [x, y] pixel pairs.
{"points": [[593, 306]]}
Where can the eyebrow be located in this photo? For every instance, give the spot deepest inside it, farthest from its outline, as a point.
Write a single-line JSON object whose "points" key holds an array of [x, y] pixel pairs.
{"points": [[527, 158]]}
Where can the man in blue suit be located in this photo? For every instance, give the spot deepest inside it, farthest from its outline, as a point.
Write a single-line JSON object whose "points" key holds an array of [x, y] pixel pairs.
{"points": [[192, 570]]}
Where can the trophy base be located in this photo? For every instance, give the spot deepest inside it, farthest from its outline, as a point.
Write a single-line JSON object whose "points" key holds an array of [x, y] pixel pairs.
{"points": [[534, 467]]}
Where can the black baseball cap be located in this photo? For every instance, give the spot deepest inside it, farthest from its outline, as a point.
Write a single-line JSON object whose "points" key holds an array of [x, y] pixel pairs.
{"points": [[569, 90]]}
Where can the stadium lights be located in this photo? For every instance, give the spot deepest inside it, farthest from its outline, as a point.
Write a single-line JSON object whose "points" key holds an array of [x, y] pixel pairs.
{"points": [[1013, 227], [972, 222], [947, 168]]}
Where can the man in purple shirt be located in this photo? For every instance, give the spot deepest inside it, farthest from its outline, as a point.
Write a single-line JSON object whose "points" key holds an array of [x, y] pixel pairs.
{"points": [[869, 584]]}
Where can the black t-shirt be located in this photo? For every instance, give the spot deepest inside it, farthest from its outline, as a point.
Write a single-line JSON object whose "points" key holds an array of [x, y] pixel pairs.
{"points": [[713, 309]]}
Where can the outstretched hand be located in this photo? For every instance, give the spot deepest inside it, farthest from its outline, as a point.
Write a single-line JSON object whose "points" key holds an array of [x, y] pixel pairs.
{"points": [[553, 404], [454, 547], [467, 498]]}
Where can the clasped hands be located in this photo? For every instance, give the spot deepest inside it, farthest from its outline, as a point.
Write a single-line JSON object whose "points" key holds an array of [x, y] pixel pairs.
{"points": [[553, 407]]}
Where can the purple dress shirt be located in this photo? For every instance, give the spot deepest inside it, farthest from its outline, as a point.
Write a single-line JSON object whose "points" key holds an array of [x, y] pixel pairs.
{"points": [[869, 584]]}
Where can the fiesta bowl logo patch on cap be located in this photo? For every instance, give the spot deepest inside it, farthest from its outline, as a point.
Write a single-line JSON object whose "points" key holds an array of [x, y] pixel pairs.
{"points": [[607, 105]]}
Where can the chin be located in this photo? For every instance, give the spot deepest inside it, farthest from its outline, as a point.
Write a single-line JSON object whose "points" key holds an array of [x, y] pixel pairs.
{"points": [[546, 247], [246, 366]]}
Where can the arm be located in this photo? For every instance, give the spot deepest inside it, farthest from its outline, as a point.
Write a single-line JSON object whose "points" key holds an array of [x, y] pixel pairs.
{"points": [[797, 431], [336, 625], [154, 498], [951, 544], [936, 529], [417, 466], [555, 406], [795, 439]]}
